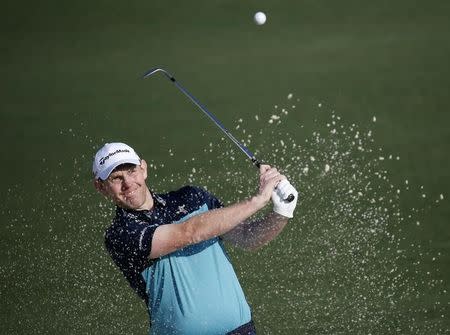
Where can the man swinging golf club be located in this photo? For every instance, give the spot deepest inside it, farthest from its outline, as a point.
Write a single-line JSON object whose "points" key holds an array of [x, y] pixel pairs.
{"points": [[170, 246]]}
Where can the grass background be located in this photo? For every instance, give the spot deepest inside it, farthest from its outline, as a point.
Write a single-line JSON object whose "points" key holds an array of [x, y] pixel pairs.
{"points": [[70, 81]]}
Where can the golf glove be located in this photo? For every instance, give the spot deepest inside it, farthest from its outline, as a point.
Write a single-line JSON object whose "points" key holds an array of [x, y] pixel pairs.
{"points": [[281, 206]]}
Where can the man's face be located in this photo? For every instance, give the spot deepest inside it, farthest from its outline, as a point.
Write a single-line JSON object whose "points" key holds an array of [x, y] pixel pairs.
{"points": [[126, 186]]}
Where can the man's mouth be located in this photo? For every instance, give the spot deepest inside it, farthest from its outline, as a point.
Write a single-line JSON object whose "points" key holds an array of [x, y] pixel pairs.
{"points": [[130, 194]]}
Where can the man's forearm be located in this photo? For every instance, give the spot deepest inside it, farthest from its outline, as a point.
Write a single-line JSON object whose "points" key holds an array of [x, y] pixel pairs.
{"points": [[254, 234], [202, 227], [220, 221]]}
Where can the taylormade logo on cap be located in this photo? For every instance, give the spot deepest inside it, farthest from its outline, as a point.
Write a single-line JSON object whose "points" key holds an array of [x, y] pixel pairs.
{"points": [[110, 156], [103, 159]]}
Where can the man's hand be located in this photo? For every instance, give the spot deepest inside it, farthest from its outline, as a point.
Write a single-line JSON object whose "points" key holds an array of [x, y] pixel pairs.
{"points": [[280, 206], [253, 234], [269, 178]]}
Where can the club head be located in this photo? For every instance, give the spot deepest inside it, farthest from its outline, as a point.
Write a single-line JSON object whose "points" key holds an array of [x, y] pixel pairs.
{"points": [[155, 70]]}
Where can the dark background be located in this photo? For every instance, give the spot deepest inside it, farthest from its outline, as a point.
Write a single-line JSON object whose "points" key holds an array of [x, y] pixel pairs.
{"points": [[346, 264]]}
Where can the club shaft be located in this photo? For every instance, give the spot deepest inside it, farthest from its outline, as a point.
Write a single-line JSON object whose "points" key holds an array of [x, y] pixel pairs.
{"points": [[205, 111]]}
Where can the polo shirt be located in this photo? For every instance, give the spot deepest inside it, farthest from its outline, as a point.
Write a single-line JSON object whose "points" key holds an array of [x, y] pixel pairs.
{"points": [[193, 290]]}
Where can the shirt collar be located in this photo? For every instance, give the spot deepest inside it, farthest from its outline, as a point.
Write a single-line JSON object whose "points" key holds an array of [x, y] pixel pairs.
{"points": [[158, 202]]}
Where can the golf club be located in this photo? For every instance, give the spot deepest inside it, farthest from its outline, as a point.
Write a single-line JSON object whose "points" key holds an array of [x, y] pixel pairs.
{"points": [[242, 147]]}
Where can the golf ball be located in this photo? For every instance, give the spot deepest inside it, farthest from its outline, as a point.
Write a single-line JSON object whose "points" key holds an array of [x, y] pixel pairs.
{"points": [[260, 18]]}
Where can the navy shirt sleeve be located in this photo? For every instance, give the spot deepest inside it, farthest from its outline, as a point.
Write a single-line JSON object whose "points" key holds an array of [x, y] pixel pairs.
{"points": [[130, 246], [134, 242]]}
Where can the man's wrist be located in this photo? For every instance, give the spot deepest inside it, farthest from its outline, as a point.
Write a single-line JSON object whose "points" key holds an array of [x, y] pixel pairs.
{"points": [[278, 216], [258, 202]]}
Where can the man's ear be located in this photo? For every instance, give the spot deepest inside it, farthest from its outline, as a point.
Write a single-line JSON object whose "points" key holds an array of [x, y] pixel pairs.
{"points": [[100, 186], [144, 167]]}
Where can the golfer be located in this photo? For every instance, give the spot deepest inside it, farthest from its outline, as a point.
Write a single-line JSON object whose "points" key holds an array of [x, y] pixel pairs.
{"points": [[170, 246]]}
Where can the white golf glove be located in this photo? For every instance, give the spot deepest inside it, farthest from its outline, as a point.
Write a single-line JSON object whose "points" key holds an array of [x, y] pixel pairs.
{"points": [[281, 206]]}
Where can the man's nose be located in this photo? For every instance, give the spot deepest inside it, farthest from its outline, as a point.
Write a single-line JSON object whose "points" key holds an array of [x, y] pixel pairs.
{"points": [[126, 181]]}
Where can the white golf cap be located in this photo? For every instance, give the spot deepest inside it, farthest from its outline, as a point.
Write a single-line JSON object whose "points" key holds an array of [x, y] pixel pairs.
{"points": [[110, 156]]}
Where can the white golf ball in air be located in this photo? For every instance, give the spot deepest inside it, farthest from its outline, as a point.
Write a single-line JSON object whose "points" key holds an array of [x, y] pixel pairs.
{"points": [[260, 18]]}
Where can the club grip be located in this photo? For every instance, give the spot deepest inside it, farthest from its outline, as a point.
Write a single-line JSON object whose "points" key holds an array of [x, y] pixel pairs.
{"points": [[256, 162]]}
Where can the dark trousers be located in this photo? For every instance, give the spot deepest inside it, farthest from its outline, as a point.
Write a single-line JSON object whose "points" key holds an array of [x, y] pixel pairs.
{"points": [[247, 329]]}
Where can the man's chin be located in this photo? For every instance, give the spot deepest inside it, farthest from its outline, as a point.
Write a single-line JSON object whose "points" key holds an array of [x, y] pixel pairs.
{"points": [[129, 204]]}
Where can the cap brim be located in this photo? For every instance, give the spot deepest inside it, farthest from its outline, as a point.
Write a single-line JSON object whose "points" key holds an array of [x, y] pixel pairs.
{"points": [[105, 174]]}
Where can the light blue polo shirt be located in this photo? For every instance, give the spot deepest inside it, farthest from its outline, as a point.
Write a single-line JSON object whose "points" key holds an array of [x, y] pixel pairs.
{"points": [[193, 291]]}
